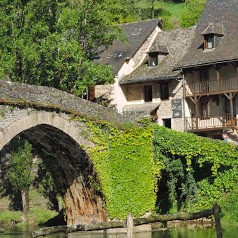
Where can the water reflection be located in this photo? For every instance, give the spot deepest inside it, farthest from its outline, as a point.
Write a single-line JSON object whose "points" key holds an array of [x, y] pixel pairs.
{"points": [[182, 232]]}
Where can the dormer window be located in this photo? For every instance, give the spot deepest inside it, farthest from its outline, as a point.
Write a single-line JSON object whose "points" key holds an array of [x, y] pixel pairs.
{"points": [[156, 54], [209, 42], [153, 59], [212, 35]]}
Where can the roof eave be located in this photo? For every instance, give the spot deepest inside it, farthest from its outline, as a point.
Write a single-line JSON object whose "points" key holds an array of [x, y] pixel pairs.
{"points": [[151, 79], [205, 64]]}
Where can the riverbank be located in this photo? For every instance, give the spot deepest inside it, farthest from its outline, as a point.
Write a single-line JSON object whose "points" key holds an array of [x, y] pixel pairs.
{"points": [[40, 211]]}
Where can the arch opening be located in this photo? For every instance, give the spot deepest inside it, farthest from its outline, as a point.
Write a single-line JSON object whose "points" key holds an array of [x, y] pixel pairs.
{"points": [[71, 170]]}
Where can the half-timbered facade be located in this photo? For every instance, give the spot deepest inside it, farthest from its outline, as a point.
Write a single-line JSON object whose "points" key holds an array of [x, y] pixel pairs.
{"points": [[210, 71]]}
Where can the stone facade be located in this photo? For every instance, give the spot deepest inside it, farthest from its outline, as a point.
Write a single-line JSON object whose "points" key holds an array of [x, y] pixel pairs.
{"points": [[148, 90]]}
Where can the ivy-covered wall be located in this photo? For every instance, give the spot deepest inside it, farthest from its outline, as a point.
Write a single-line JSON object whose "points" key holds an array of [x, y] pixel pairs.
{"points": [[128, 174], [149, 168], [197, 172]]}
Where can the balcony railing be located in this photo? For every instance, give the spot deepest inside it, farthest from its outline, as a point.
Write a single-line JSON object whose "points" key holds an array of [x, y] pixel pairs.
{"points": [[211, 122], [206, 87]]}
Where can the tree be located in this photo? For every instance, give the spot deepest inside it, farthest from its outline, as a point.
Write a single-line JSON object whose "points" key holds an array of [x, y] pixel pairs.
{"points": [[19, 174], [195, 8], [54, 42], [123, 11]]}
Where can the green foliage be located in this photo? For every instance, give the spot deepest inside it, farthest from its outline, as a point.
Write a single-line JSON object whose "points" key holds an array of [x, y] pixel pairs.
{"points": [[46, 185], [122, 11], [9, 216], [184, 172], [200, 170], [19, 169], [174, 14], [229, 206], [53, 43], [126, 169], [195, 8]]}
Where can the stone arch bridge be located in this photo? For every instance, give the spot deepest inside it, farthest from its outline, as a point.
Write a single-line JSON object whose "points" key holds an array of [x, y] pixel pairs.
{"points": [[41, 115]]}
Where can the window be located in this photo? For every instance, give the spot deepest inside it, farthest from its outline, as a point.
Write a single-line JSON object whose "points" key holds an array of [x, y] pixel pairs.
{"points": [[212, 35], [153, 59], [88, 94], [209, 42], [164, 91], [167, 122], [148, 93], [205, 108]]}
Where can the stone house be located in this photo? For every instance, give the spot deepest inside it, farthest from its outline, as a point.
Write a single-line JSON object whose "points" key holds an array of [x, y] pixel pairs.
{"points": [[124, 57], [145, 83], [185, 79], [154, 88], [210, 70]]}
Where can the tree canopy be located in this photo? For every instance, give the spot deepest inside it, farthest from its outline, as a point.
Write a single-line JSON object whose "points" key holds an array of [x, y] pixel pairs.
{"points": [[54, 42]]}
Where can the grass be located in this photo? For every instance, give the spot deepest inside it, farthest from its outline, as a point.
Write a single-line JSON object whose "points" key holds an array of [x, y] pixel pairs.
{"points": [[36, 217], [174, 9], [171, 13], [40, 216], [39, 212], [10, 216]]}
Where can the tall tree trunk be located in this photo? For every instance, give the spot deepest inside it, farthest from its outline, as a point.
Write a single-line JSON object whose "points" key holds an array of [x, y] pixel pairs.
{"points": [[25, 203]]}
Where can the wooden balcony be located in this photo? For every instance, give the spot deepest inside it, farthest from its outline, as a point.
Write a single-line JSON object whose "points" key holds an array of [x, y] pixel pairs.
{"points": [[221, 121], [211, 87]]}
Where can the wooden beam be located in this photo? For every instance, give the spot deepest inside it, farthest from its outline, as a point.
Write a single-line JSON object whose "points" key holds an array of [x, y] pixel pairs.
{"points": [[136, 222], [218, 76], [196, 110], [216, 213]]}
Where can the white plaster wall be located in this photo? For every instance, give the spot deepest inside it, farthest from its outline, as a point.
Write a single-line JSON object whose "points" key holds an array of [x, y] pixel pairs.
{"points": [[117, 96]]}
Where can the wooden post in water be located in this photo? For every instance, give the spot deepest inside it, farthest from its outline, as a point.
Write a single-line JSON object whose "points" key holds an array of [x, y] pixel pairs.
{"points": [[129, 225], [216, 212]]}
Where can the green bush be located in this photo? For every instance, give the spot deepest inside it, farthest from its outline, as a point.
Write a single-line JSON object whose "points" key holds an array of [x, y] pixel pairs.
{"points": [[199, 170]]}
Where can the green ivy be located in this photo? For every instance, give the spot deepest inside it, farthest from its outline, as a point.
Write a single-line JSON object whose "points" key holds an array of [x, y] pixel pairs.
{"points": [[128, 174], [135, 164], [199, 170]]}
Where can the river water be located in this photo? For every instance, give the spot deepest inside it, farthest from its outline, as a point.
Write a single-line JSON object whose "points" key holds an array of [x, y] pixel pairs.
{"points": [[182, 232]]}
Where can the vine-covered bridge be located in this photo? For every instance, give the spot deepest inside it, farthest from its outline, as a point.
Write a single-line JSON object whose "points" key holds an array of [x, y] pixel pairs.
{"points": [[43, 116]]}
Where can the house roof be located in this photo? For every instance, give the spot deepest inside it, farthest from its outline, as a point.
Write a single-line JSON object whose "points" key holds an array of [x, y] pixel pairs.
{"points": [[136, 34], [143, 108], [218, 17], [176, 43], [214, 29]]}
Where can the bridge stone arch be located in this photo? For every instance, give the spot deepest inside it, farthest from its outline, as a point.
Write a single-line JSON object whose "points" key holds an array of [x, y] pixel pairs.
{"points": [[21, 120], [43, 116]]}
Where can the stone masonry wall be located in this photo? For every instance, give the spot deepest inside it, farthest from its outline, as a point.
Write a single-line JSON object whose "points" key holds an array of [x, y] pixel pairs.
{"points": [[51, 98]]}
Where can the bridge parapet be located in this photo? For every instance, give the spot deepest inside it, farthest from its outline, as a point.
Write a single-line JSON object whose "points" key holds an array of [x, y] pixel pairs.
{"points": [[44, 97]]}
